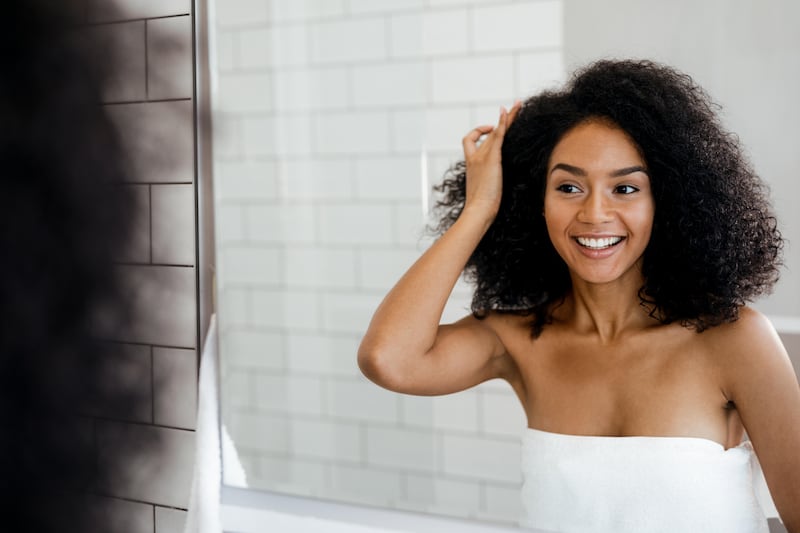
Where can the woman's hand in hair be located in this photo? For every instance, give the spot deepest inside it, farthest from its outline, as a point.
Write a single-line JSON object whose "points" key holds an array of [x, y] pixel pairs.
{"points": [[484, 171]]}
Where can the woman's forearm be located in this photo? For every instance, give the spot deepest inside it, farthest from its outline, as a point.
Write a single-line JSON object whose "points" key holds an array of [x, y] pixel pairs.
{"points": [[407, 320], [405, 325]]}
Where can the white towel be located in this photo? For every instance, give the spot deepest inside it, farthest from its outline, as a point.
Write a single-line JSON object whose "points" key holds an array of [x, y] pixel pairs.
{"points": [[204, 499], [638, 484]]}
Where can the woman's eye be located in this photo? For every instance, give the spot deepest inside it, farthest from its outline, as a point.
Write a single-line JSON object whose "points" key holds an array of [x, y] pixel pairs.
{"points": [[625, 189], [566, 187]]}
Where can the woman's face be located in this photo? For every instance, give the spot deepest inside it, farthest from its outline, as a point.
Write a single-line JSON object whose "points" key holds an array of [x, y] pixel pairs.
{"points": [[598, 205]]}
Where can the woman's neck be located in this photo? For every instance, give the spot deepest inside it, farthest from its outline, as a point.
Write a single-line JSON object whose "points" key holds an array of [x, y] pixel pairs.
{"points": [[608, 310]]}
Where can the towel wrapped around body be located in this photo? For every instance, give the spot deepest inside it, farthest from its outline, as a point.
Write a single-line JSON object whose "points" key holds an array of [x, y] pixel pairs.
{"points": [[575, 484]]}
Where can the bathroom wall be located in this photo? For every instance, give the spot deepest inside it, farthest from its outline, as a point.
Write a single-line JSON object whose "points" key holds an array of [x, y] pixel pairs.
{"points": [[333, 120], [152, 101]]}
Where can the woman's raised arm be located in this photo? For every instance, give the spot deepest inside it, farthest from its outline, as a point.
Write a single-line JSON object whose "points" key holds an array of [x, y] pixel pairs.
{"points": [[405, 349]]}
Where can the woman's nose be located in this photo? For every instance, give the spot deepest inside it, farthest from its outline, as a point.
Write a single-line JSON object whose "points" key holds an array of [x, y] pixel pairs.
{"points": [[595, 209]]}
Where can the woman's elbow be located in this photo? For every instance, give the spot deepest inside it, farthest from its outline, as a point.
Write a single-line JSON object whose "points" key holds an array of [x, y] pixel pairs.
{"points": [[368, 362], [378, 365]]}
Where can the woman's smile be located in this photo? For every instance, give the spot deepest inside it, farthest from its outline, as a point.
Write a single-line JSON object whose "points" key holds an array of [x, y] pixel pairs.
{"points": [[598, 243], [599, 247]]}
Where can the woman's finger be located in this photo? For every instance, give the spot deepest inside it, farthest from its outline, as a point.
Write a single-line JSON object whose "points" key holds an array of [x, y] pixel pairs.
{"points": [[506, 118], [501, 122], [470, 140], [513, 112]]}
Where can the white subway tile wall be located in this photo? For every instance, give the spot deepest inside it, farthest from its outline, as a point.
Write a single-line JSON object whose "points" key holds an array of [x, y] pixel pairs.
{"points": [[156, 357], [424, 33], [138, 250], [494, 458], [304, 477], [174, 390], [241, 12], [170, 520], [163, 477], [248, 350], [326, 439], [170, 71], [367, 484], [448, 496], [163, 300], [172, 224], [401, 448], [335, 118], [306, 9], [501, 501], [159, 139], [105, 11], [458, 412]]}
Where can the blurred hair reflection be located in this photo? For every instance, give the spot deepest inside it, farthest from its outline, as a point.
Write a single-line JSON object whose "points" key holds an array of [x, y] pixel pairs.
{"points": [[64, 219]]}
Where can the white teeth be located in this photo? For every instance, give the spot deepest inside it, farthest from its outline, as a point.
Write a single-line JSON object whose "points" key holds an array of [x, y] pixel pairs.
{"points": [[598, 244]]}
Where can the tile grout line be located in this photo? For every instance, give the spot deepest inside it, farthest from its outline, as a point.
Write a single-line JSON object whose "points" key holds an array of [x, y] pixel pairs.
{"points": [[146, 64], [150, 222], [152, 385]]}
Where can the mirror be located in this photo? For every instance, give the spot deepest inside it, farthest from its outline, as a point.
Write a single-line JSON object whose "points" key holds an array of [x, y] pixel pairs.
{"points": [[332, 121]]}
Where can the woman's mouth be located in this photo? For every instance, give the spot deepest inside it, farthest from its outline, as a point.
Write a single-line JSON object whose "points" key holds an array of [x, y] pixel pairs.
{"points": [[599, 243]]}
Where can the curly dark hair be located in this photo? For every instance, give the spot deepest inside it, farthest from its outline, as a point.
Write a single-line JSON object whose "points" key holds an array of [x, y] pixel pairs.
{"points": [[715, 243]]}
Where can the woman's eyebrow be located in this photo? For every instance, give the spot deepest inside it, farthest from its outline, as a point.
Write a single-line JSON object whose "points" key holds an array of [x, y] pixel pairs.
{"points": [[629, 170], [577, 171]]}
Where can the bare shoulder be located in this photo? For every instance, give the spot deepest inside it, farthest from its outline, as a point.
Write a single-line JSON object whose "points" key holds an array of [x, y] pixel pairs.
{"points": [[512, 330], [750, 337], [747, 347], [508, 323]]}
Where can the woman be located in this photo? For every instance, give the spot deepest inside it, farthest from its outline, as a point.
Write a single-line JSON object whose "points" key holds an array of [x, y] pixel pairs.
{"points": [[614, 233]]}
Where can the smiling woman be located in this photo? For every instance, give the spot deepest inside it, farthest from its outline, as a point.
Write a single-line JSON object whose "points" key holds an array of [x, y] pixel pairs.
{"points": [[602, 226]]}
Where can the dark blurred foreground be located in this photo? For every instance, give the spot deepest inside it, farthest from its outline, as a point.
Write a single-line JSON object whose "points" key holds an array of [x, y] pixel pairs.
{"points": [[64, 218]]}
